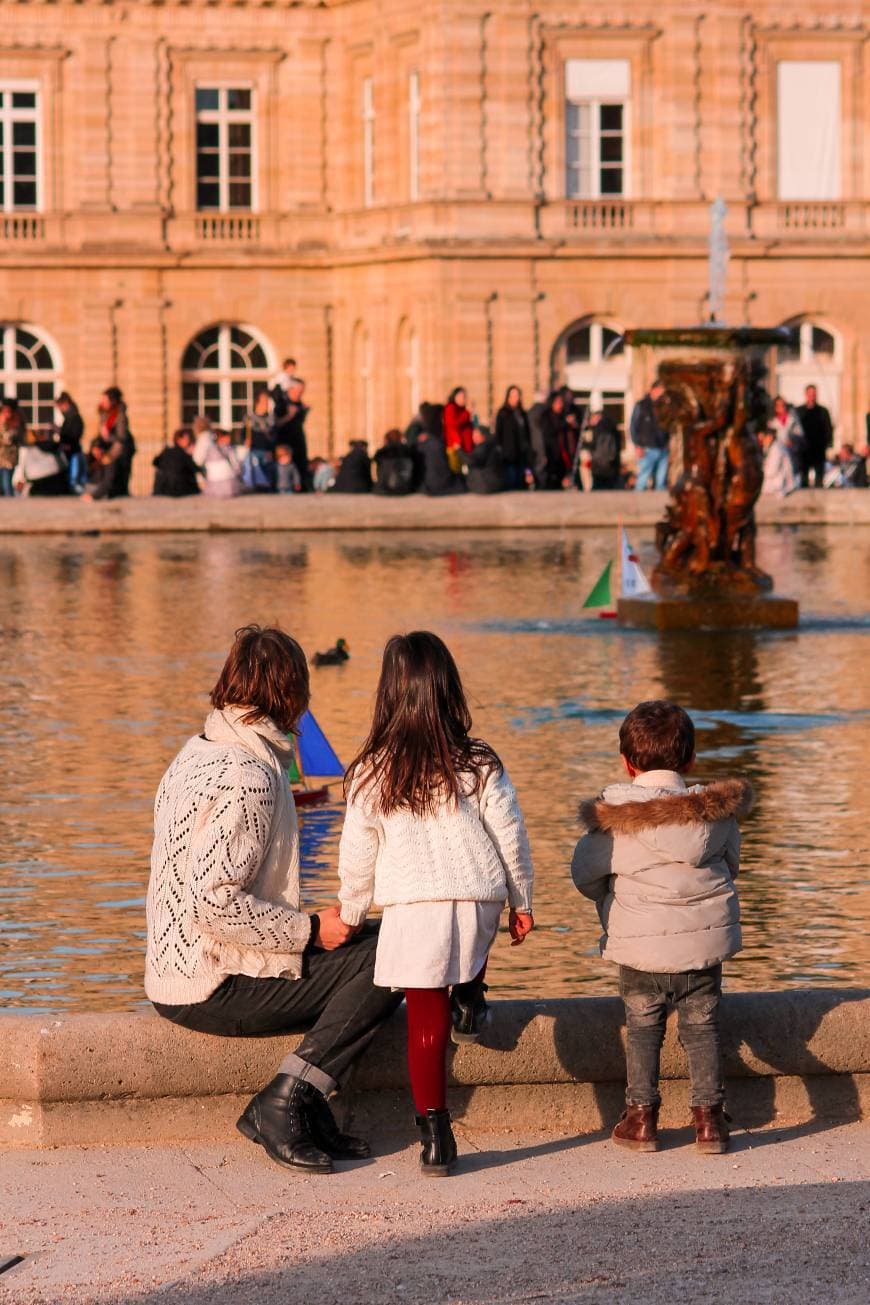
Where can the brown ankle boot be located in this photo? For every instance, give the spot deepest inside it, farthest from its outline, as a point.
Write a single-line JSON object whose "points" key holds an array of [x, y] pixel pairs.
{"points": [[637, 1127], [711, 1129]]}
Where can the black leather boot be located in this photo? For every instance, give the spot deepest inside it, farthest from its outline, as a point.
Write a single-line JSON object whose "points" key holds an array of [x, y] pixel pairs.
{"points": [[439, 1145], [327, 1135], [469, 1011], [279, 1120]]}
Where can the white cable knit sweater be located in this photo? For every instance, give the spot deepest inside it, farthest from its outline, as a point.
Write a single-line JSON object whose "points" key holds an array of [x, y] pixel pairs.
{"points": [[223, 897], [474, 850]]}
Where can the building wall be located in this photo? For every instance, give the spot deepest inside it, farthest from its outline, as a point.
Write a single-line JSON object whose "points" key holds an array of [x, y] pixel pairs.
{"points": [[475, 279]]}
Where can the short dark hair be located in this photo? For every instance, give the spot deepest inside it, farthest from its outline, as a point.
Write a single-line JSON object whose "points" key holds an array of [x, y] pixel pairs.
{"points": [[657, 735], [63, 397], [113, 394], [266, 672]]}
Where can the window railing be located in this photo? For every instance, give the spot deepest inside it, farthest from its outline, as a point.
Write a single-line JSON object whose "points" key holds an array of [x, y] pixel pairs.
{"points": [[240, 228], [22, 226], [810, 219], [813, 215], [599, 215]]}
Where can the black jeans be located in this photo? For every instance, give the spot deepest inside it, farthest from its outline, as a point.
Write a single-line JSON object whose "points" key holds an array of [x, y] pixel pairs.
{"points": [[695, 995], [815, 463], [335, 1000]]}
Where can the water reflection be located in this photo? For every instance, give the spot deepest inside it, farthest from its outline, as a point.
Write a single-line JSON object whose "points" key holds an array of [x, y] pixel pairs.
{"points": [[109, 647]]}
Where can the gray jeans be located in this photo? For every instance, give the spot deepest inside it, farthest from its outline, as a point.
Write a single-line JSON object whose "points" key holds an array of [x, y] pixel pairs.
{"points": [[696, 997]]}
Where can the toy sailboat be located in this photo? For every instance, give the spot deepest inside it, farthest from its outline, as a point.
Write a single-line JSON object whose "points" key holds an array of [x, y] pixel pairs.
{"points": [[632, 581], [313, 755]]}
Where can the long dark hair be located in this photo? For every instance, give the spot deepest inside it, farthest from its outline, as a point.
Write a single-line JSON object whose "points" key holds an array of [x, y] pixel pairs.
{"points": [[419, 752]]}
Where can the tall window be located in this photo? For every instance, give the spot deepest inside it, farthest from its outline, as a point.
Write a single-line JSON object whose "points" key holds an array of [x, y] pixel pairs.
{"points": [[221, 368], [19, 147], [592, 359], [225, 148], [414, 136], [808, 129], [811, 356], [597, 103], [29, 372], [368, 119]]}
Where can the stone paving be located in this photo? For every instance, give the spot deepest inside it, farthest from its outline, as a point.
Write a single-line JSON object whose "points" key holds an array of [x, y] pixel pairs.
{"points": [[785, 1217]]}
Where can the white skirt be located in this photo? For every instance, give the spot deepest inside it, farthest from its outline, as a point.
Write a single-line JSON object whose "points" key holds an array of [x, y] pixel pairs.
{"points": [[434, 944]]}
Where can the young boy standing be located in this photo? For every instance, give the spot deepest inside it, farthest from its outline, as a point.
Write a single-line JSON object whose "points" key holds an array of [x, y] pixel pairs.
{"points": [[659, 860]]}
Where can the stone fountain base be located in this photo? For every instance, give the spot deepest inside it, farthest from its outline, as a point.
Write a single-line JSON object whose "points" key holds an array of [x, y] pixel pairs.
{"points": [[735, 611]]}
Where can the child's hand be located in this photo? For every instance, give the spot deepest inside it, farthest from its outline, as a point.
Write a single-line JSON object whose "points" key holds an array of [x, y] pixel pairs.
{"points": [[520, 923]]}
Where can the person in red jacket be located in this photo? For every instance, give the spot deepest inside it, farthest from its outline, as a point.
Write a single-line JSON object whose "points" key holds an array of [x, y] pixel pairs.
{"points": [[458, 426]]}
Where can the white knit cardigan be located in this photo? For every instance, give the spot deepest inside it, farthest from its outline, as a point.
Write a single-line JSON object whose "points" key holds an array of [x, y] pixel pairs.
{"points": [[223, 897], [476, 849]]}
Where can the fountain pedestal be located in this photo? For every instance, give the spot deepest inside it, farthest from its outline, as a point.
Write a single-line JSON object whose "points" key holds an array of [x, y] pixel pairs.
{"points": [[722, 612]]}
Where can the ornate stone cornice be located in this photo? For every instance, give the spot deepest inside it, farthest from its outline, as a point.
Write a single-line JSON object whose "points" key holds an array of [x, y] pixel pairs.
{"points": [[174, 4], [32, 49]]}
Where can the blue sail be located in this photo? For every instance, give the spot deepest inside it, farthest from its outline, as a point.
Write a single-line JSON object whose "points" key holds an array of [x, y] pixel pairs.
{"points": [[315, 750]]}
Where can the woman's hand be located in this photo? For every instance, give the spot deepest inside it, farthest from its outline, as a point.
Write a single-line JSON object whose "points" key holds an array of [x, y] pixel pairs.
{"points": [[520, 923], [333, 932]]}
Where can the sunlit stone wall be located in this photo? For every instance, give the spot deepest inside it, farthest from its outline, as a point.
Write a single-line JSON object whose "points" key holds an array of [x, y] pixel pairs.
{"points": [[413, 219]]}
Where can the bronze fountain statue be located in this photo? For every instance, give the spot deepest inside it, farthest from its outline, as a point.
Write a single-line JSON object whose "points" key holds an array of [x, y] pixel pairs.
{"points": [[708, 536], [714, 405]]}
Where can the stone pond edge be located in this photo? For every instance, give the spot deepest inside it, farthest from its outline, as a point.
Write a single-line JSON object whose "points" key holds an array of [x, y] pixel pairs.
{"points": [[310, 513], [792, 1055]]}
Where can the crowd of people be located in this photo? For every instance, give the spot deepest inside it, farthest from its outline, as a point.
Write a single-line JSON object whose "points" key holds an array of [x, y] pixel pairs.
{"points": [[47, 463], [556, 443], [798, 450]]}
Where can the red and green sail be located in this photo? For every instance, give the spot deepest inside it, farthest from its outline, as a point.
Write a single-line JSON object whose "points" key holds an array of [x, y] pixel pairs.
{"points": [[601, 595]]}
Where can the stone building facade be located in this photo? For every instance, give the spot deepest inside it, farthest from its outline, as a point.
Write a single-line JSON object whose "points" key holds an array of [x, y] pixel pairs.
{"points": [[409, 195]]}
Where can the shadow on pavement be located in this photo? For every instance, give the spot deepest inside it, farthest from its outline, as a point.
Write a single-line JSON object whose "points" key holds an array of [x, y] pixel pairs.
{"points": [[784, 1243], [472, 1161]]}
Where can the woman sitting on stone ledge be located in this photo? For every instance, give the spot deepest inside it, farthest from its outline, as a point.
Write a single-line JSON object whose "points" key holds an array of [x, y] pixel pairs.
{"points": [[230, 951]]}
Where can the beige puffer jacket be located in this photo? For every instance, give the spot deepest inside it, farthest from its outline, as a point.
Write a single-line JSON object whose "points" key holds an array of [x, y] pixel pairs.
{"points": [[659, 860]]}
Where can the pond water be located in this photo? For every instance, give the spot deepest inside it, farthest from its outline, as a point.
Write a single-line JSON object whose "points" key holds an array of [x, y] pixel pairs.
{"points": [[110, 645]]}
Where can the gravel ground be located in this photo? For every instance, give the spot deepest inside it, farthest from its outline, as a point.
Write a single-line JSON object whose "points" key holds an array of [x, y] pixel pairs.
{"points": [[785, 1217]]}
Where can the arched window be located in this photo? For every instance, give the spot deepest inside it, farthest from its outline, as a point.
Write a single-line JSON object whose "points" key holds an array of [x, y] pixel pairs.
{"points": [[221, 368], [29, 372], [591, 357], [813, 355]]}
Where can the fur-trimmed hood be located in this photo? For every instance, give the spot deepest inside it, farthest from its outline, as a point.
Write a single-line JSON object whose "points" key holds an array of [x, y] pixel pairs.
{"points": [[629, 808]]}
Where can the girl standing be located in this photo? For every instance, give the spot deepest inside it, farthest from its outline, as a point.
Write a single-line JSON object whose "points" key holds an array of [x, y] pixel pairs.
{"points": [[434, 834]]}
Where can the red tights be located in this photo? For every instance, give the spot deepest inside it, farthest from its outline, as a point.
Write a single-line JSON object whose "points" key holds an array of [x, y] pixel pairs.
{"points": [[428, 1032]]}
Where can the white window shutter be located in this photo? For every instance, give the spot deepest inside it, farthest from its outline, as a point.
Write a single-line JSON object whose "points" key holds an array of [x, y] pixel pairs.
{"points": [[808, 129]]}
